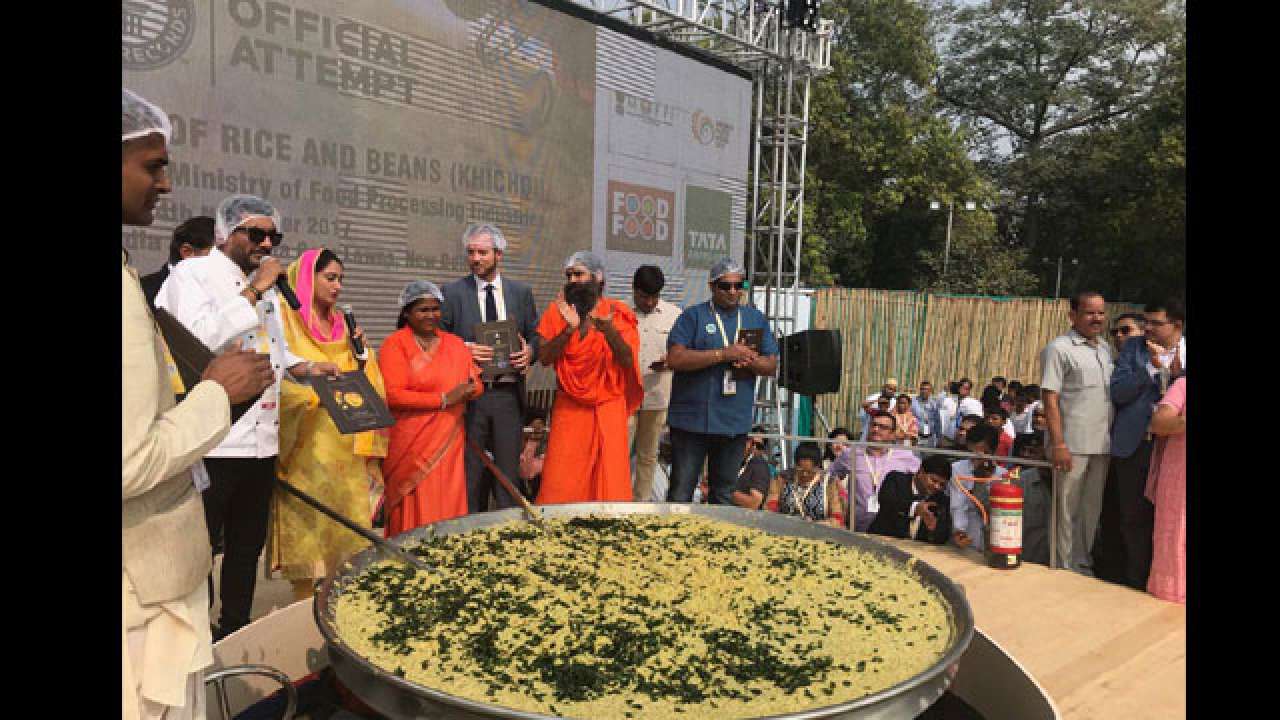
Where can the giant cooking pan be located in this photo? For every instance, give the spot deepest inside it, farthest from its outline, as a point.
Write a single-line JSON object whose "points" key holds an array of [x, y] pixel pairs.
{"points": [[400, 699]]}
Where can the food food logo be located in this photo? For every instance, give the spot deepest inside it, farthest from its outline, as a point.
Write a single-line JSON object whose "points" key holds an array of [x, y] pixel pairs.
{"points": [[639, 218]]}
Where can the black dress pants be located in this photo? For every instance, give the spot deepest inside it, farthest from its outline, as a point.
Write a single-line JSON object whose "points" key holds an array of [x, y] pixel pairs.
{"points": [[495, 422], [236, 505], [1123, 550]]}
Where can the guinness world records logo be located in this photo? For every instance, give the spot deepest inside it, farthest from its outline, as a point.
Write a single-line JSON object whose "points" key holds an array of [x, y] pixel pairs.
{"points": [[153, 33]]}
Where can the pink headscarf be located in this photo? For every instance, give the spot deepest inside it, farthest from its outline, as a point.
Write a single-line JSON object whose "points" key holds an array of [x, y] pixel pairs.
{"points": [[303, 272]]}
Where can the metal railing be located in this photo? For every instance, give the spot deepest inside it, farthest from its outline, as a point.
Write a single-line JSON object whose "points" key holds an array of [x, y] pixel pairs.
{"points": [[962, 454]]}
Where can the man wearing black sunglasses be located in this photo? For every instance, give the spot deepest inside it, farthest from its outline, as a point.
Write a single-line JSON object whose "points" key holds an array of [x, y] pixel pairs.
{"points": [[228, 300], [1123, 550], [713, 388], [1126, 326]]}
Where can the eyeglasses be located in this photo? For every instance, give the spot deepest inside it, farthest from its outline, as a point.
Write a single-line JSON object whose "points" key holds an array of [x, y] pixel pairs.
{"points": [[257, 235], [882, 426], [726, 286]]}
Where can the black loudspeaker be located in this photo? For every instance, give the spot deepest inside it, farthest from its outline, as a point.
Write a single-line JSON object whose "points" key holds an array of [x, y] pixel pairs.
{"points": [[811, 362]]}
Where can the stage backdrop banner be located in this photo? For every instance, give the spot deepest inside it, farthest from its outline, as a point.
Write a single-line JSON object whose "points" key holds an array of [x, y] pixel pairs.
{"points": [[380, 130], [673, 125]]}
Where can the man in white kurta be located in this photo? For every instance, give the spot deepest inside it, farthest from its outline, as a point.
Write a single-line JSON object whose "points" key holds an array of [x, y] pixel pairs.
{"points": [[165, 642]]}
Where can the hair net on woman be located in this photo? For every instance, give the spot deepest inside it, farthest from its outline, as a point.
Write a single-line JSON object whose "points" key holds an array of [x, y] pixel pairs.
{"points": [[417, 290], [140, 117], [726, 266], [239, 209], [586, 259]]}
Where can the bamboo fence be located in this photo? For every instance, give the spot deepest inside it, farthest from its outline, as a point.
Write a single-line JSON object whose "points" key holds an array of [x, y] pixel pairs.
{"points": [[913, 336]]}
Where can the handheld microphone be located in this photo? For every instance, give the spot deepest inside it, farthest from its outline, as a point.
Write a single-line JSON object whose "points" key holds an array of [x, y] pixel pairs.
{"points": [[282, 284], [357, 345]]}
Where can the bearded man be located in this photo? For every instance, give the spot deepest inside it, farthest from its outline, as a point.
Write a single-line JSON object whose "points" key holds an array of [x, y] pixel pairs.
{"points": [[593, 344]]}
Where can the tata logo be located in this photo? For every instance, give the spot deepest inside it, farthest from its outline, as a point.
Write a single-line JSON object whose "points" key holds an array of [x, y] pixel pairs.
{"points": [[153, 33]]}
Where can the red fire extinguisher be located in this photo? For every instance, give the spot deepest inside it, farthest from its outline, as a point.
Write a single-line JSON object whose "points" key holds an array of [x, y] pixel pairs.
{"points": [[1004, 539]]}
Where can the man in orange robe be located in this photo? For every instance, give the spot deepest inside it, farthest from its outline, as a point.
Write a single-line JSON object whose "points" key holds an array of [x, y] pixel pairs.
{"points": [[593, 343]]}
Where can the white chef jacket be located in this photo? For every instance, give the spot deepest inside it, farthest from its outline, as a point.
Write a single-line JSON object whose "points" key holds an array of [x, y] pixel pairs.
{"points": [[203, 293]]}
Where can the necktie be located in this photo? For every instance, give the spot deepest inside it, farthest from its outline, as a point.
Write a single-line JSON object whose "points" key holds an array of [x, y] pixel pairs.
{"points": [[490, 306]]}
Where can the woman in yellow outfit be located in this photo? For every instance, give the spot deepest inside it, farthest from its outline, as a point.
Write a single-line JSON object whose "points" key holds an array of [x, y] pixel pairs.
{"points": [[341, 471]]}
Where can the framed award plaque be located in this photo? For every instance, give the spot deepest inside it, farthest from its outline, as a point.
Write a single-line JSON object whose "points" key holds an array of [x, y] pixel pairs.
{"points": [[352, 402], [504, 338]]}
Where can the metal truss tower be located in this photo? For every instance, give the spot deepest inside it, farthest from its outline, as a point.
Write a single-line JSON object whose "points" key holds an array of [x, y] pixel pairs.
{"points": [[753, 34]]}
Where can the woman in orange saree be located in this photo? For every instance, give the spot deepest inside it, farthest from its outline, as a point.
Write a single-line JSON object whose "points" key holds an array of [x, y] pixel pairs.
{"points": [[594, 345], [429, 376]]}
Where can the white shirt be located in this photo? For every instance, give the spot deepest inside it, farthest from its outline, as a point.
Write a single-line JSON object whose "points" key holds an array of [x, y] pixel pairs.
{"points": [[203, 293], [965, 516], [481, 284], [654, 328], [1167, 357], [970, 406], [1023, 423], [953, 413], [947, 414]]}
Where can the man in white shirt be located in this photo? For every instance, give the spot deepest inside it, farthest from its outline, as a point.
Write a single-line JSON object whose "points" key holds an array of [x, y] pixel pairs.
{"points": [[1031, 394], [164, 546], [654, 318], [965, 405], [967, 528], [228, 300], [1165, 341]]}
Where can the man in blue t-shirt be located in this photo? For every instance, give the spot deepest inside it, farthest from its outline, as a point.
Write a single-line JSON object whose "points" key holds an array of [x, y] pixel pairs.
{"points": [[713, 388]]}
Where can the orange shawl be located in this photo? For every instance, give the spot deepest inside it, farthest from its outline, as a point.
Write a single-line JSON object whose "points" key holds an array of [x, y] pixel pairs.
{"points": [[424, 471], [587, 456]]}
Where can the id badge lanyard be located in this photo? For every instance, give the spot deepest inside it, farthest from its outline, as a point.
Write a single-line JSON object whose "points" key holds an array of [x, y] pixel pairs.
{"points": [[729, 385], [876, 472]]}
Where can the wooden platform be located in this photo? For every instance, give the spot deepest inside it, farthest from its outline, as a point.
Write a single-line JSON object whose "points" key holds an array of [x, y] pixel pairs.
{"points": [[1099, 650]]}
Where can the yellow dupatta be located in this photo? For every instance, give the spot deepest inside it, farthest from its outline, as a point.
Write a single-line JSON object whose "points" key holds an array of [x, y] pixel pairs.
{"points": [[300, 410], [339, 470]]}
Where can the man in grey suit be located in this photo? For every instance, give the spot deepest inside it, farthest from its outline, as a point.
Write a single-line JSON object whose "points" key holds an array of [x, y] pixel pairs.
{"points": [[495, 420]]}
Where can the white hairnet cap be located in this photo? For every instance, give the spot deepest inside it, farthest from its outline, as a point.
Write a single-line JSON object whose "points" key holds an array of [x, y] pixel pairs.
{"points": [[140, 117], [417, 290], [473, 230], [238, 209], [726, 266], [586, 259]]}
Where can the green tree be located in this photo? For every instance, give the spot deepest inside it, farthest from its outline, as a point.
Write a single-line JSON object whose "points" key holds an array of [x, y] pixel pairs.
{"points": [[1121, 193], [980, 261], [1027, 72], [877, 145]]}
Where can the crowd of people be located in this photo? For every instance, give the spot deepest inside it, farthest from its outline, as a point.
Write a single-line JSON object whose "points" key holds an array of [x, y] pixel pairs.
{"points": [[201, 463], [1109, 418]]}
